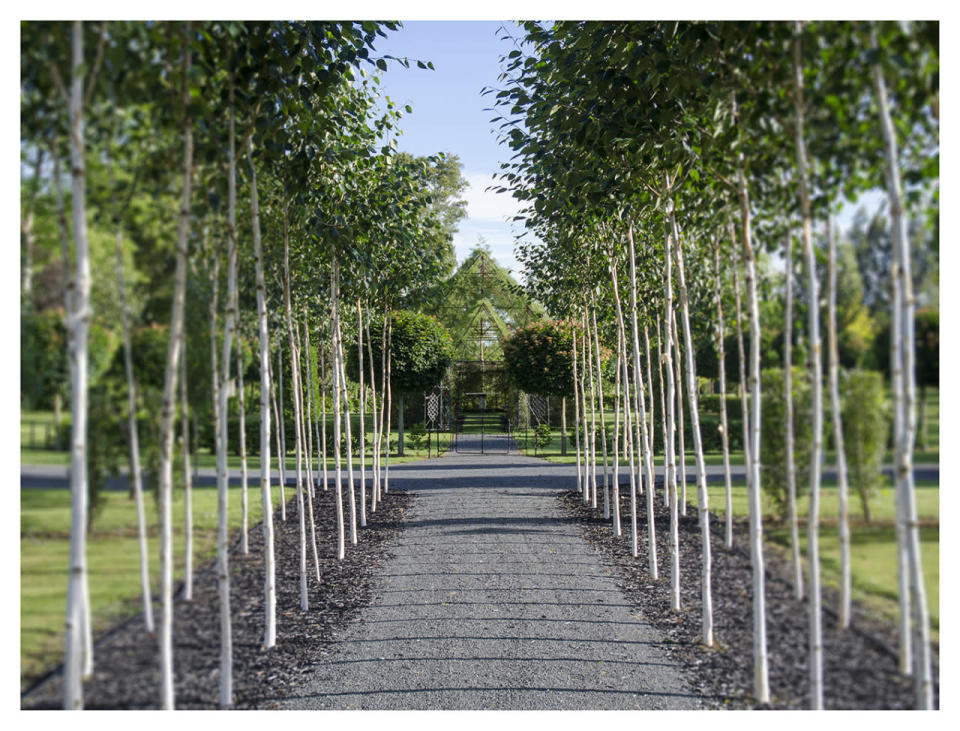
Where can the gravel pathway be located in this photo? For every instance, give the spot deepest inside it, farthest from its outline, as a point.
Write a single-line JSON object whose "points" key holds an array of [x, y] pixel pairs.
{"points": [[493, 600]]}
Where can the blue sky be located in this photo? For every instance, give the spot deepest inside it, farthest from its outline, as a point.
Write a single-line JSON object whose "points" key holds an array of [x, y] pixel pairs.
{"points": [[448, 116]]}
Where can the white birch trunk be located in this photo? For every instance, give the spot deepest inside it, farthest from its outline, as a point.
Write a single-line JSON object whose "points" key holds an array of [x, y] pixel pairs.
{"points": [[703, 509], [77, 655], [647, 439], [308, 412], [281, 416], [615, 497], [342, 374], [724, 424], [266, 499], [591, 374], [244, 477], [363, 404], [323, 414], [583, 410], [341, 538], [663, 411], [843, 613], [761, 675], [312, 364], [134, 442], [303, 459], [294, 367], [903, 286], [603, 422], [169, 389], [576, 410], [389, 387], [682, 449], [741, 352], [788, 401], [813, 311], [187, 484], [623, 377], [375, 422], [669, 456], [277, 419]]}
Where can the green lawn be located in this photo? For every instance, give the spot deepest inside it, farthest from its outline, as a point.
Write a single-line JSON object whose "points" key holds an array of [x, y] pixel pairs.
{"points": [[112, 555], [113, 558]]}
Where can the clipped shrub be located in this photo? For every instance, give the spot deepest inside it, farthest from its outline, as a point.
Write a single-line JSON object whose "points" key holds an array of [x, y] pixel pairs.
{"points": [[866, 426], [539, 358]]}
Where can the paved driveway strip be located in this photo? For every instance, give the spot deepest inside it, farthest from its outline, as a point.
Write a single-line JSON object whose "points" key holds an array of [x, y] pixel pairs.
{"points": [[494, 601]]}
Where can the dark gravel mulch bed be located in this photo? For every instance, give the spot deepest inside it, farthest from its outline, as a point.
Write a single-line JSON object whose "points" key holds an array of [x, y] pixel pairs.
{"points": [[860, 665], [126, 657]]}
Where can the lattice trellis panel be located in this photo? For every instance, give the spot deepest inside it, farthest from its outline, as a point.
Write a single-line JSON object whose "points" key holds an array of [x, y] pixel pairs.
{"points": [[539, 411]]}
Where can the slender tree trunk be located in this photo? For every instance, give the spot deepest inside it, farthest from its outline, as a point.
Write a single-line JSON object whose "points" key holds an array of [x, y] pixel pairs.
{"points": [[788, 401], [669, 457], [276, 418], [678, 367], [647, 438], [591, 375], [363, 404], [244, 478], [651, 418], [706, 593], [282, 457], [587, 435], [298, 440], [724, 424], [266, 499], [223, 432], [304, 459], [663, 412], [334, 316], [389, 387], [342, 373], [323, 414], [187, 486], [761, 673], [26, 232], [907, 514], [306, 393], [615, 498], [78, 657], [169, 389], [843, 614], [576, 410], [813, 313], [134, 441], [628, 420], [315, 381], [741, 352], [375, 422], [308, 414], [603, 423]]}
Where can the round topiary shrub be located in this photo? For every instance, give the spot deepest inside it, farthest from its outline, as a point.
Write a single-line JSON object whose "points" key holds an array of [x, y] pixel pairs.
{"points": [[539, 358]]}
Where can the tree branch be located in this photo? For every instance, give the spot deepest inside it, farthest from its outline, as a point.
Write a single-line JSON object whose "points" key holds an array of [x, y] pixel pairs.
{"points": [[95, 69], [58, 83]]}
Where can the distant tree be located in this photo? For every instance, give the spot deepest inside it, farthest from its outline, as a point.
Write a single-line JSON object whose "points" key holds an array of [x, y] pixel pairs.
{"points": [[420, 350], [539, 358]]}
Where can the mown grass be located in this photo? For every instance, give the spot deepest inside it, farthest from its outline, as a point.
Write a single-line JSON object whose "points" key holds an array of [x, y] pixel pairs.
{"points": [[112, 554]]}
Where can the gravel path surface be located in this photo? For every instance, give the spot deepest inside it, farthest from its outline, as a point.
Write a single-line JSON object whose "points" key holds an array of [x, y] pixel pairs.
{"points": [[493, 600]]}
